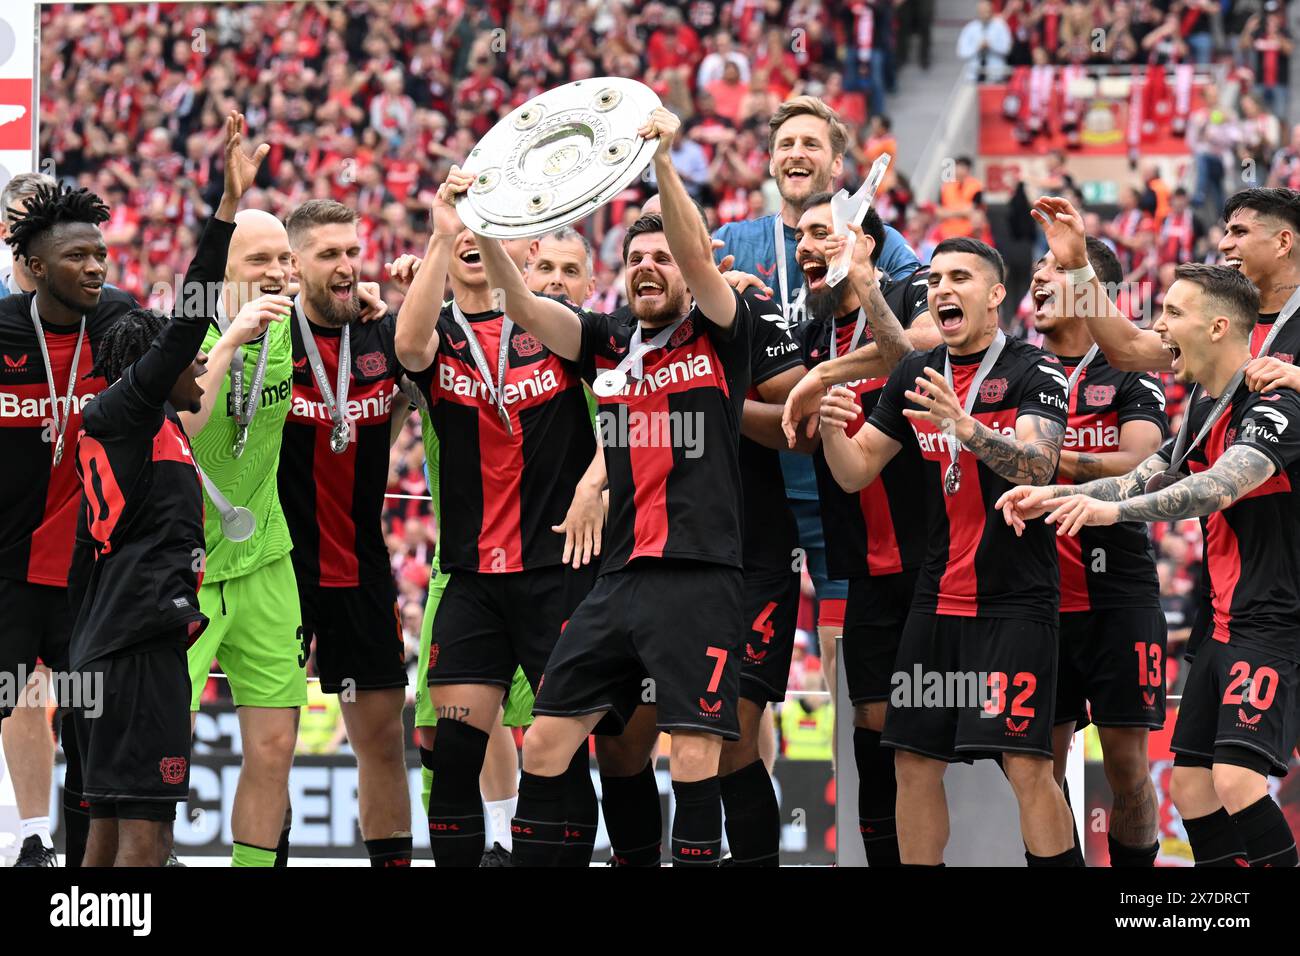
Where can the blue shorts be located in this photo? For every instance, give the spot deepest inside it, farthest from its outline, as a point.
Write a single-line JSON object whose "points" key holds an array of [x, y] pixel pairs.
{"points": [[807, 515]]}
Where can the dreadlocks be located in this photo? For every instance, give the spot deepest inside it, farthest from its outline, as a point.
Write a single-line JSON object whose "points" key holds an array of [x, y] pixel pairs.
{"points": [[126, 341], [47, 208]]}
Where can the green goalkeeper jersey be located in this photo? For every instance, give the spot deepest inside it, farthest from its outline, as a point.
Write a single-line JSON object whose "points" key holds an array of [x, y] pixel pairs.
{"points": [[249, 480]]}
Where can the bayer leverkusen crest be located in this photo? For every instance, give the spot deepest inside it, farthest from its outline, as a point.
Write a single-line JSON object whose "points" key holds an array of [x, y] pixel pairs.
{"points": [[1098, 396], [992, 390], [372, 364], [527, 345], [682, 335]]}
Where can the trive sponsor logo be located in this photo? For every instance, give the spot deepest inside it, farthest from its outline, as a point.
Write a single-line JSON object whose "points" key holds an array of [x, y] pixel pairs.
{"points": [[542, 382], [1097, 436], [76, 909], [935, 442], [371, 408], [781, 348], [38, 411], [1054, 399]]}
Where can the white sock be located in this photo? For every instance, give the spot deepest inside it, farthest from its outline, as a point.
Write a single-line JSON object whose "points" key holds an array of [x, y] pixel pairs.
{"points": [[37, 826], [498, 815]]}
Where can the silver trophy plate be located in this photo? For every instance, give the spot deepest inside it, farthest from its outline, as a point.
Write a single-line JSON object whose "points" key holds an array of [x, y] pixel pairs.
{"points": [[558, 158]]}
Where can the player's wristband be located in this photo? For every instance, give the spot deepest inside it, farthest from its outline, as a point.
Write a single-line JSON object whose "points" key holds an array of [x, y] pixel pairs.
{"points": [[1081, 275]]}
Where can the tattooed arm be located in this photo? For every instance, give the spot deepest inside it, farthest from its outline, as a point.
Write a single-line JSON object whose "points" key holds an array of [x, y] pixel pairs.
{"points": [[1115, 489], [1240, 471], [1027, 502], [891, 340], [1028, 459]]}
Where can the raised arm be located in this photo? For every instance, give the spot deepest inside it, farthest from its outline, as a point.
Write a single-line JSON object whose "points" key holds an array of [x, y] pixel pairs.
{"points": [[887, 332], [254, 318], [556, 326], [688, 240], [1125, 346], [415, 339], [854, 462]]}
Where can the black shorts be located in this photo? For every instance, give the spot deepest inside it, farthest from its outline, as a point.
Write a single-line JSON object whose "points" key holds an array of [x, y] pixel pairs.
{"points": [[1202, 625], [991, 686], [134, 731], [358, 635], [37, 623], [1103, 677], [487, 625], [772, 611], [1241, 696], [874, 616], [658, 633]]}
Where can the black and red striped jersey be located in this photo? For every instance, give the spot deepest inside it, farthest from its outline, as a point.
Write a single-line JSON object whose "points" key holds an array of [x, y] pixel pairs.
{"points": [[672, 438], [880, 529], [502, 491], [334, 503], [139, 537], [1252, 548], [1113, 566], [39, 520], [770, 533], [1285, 347], [975, 564]]}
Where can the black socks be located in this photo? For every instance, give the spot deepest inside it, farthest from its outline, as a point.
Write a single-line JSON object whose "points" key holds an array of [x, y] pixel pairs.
{"points": [[877, 795], [538, 826], [1215, 840], [1262, 827], [456, 830], [697, 823], [580, 811], [753, 816], [633, 818]]}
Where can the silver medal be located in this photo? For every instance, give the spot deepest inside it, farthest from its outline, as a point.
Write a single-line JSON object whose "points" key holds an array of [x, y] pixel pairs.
{"points": [[952, 479], [609, 383], [241, 439], [339, 438], [238, 524], [1160, 481], [58, 450], [505, 420]]}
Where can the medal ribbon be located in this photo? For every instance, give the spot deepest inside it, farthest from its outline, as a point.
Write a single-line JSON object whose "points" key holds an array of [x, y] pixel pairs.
{"points": [[60, 419], [981, 373]]}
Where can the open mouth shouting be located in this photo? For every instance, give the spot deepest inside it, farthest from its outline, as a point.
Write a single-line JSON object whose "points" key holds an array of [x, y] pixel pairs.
{"points": [[951, 316], [1175, 354], [270, 287], [1044, 297], [342, 290], [1232, 262], [648, 287], [814, 274]]}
